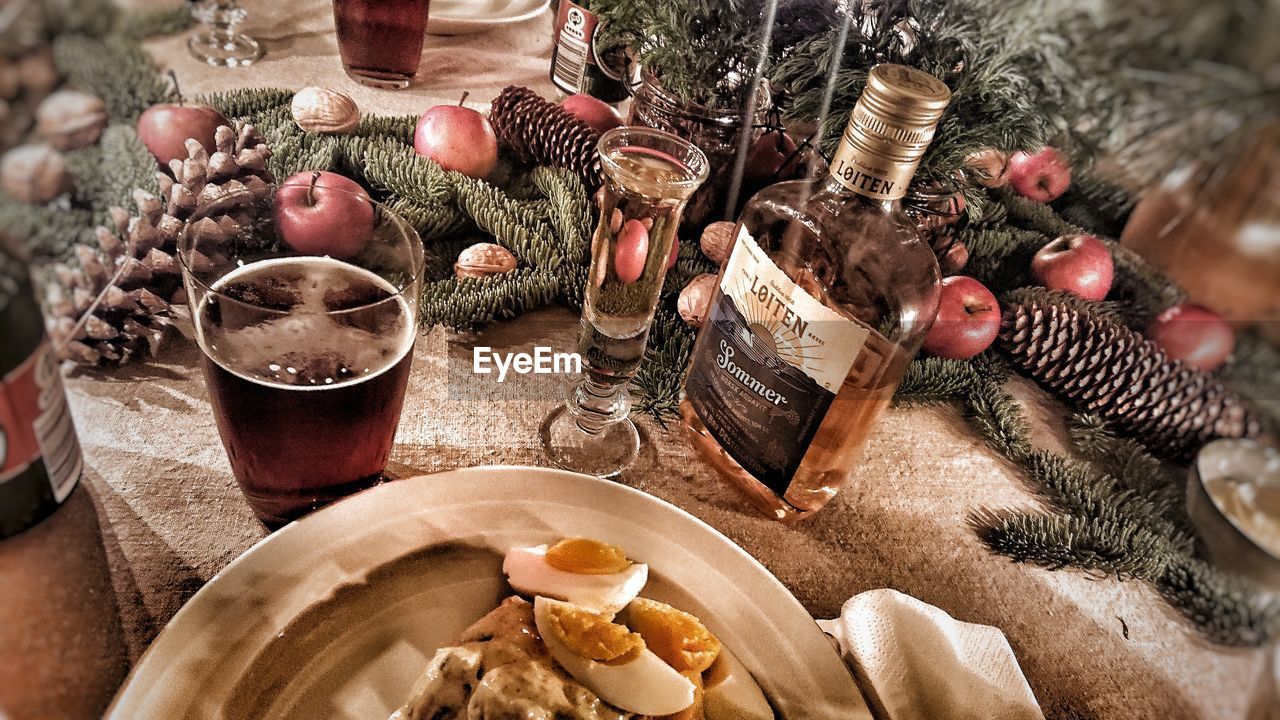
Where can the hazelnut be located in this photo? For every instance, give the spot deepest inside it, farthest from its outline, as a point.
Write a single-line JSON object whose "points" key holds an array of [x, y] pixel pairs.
{"points": [[482, 260], [70, 119], [34, 174], [718, 241], [10, 82], [38, 74], [695, 299], [989, 167], [321, 110]]}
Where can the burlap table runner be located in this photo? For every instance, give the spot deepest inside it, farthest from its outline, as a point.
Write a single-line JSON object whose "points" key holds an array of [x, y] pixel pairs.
{"points": [[171, 516]]}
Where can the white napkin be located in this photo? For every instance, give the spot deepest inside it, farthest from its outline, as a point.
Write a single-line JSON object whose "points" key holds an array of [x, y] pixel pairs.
{"points": [[916, 661]]}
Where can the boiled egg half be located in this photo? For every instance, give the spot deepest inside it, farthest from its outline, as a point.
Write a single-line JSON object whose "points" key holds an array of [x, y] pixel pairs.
{"points": [[610, 660], [585, 572]]}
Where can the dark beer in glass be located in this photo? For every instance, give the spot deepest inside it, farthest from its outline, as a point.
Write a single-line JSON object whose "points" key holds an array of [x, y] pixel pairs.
{"points": [[380, 41], [306, 357]]}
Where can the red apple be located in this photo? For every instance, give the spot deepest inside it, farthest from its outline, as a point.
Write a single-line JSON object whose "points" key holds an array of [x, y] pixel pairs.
{"points": [[594, 112], [1195, 335], [164, 129], [767, 156], [675, 253], [1079, 264], [631, 251], [323, 213], [458, 138], [968, 319], [1041, 176]]}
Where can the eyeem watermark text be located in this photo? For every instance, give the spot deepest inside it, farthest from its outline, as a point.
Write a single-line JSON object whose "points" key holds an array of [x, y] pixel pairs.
{"points": [[542, 361]]}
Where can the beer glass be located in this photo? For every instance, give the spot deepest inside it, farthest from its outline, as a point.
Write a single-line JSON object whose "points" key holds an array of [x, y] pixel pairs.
{"points": [[380, 41], [306, 354]]}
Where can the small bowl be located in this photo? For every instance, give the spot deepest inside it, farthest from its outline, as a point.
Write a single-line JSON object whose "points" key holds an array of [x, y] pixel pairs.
{"points": [[1231, 541]]}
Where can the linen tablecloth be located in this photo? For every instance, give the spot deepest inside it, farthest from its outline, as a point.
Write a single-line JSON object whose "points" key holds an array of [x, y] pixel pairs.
{"points": [[159, 491]]}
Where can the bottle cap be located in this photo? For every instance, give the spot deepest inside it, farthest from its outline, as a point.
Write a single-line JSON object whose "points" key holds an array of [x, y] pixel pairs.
{"points": [[889, 130]]}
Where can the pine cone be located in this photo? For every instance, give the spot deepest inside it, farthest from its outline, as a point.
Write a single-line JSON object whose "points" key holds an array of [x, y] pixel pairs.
{"points": [[131, 314], [1105, 367], [541, 132]]}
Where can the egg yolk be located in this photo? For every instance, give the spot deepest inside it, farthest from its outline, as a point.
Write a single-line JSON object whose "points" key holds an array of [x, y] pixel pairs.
{"points": [[680, 639], [590, 636], [584, 556]]}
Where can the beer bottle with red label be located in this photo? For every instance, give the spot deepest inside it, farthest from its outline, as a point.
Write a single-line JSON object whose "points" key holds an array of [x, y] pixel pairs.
{"points": [[40, 460], [581, 65]]}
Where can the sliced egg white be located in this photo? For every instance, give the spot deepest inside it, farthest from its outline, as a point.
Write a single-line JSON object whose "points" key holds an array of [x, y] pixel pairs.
{"points": [[731, 693], [529, 573], [645, 685]]}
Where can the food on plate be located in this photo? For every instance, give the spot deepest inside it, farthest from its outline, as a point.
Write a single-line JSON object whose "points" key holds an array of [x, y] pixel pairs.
{"points": [[1253, 506], [585, 572], [500, 669], [680, 639], [586, 648], [610, 660]]}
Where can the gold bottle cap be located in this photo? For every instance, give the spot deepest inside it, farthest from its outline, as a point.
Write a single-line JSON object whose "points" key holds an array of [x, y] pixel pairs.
{"points": [[889, 130]]}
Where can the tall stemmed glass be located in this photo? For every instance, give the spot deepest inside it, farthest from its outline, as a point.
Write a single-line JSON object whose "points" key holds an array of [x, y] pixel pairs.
{"points": [[649, 175], [221, 43]]}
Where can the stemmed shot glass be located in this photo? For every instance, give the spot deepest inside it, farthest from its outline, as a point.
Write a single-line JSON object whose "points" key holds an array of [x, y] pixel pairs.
{"points": [[221, 43], [649, 176], [306, 326]]}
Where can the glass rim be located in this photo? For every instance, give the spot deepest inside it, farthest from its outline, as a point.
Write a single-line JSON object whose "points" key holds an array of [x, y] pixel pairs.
{"points": [[727, 117], [698, 174], [417, 273]]}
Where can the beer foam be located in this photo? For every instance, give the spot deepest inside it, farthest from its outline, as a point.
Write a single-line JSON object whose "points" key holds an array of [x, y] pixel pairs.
{"points": [[309, 346]]}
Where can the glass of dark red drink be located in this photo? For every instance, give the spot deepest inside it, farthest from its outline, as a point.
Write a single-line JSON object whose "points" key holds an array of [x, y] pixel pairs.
{"points": [[306, 323], [381, 40]]}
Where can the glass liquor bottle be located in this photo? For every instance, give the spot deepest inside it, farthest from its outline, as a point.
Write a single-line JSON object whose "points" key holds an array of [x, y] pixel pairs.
{"points": [[825, 299]]}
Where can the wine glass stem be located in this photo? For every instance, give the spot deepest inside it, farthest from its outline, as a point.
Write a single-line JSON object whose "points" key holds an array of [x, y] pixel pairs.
{"points": [[597, 404]]}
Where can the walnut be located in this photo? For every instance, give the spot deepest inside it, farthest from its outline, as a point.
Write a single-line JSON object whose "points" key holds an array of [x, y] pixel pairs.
{"points": [[34, 174], [482, 260], [70, 119], [695, 299], [718, 241], [321, 110]]}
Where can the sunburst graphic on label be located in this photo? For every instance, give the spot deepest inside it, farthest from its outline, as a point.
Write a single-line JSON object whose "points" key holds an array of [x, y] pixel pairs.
{"points": [[769, 328]]}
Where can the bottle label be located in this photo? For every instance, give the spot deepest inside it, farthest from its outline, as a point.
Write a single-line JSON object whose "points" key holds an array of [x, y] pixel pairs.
{"points": [[36, 427], [771, 364], [868, 174], [576, 64]]}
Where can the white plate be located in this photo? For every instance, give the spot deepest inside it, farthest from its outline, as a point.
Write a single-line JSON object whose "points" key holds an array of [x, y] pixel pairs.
{"points": [[465, 17], [335, 616]]}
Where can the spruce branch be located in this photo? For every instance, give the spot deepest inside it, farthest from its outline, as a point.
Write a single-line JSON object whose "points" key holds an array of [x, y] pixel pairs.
{"points": [[49, 232], [143, 24], [934, 381], [106, 175], [999, 418], [1224, 609], [115, 69], [388, 166], [247, 102], [511, 222], [431, 221], [1060, 541]]}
